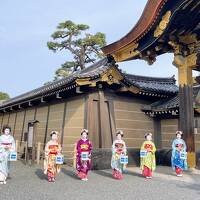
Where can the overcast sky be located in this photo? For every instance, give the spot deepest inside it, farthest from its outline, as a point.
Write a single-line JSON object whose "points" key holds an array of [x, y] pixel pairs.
{"points": [[26, 26]]}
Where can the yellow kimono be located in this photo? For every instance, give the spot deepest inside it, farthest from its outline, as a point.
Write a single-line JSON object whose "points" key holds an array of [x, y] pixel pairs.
{"points": [[149, 160], [50, 166]]}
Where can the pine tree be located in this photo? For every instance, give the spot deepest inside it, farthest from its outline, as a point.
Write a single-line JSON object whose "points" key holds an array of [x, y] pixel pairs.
{"points": [[84, 47]]}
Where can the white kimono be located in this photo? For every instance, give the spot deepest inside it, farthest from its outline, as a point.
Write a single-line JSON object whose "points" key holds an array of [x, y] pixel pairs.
{"points": [[7, 142]]}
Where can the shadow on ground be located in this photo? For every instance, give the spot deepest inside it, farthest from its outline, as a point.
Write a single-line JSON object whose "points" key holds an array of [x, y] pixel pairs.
{"points": [[40, 174], [107, 174], [132, 173], [70, 173]]}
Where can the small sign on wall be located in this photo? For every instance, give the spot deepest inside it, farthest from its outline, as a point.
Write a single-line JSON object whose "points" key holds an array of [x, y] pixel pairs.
{"points": [[195, 130], [30, 136]]}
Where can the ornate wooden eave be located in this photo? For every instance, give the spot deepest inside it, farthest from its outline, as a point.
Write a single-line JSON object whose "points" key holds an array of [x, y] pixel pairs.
{"points": [[144, 24], [111, 76], [165, 26]]}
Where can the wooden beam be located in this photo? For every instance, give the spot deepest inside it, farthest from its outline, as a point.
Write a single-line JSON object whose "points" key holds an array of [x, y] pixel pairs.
{"points": [[105, 123], [47, 123], [185, 66], [8, 118], [22, 133], [93, 119], [2, 122], [187, 121], [63, 123], [86, 104], [112, 119], [15, 124], [157, 133]]}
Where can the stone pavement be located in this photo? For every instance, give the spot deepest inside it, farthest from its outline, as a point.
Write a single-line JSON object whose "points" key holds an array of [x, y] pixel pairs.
{"points": [[29, 183]]}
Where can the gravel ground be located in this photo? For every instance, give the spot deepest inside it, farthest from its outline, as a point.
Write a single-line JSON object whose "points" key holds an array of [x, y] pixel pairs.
{"points": [[29, 183]]}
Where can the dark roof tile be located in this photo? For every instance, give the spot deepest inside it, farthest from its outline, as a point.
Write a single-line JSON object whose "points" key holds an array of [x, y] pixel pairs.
{"points": [[154, 84], [172, 102], [148, 84]]}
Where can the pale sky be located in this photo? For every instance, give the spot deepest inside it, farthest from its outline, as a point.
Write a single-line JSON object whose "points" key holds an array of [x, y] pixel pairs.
{"points": [[26, 26]]}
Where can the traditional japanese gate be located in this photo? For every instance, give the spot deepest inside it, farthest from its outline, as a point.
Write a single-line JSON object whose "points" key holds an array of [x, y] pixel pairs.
{"points": [[168, 26]]}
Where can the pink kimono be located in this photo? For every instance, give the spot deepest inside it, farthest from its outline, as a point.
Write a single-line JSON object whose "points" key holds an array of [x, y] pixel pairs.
{"points": [[83, 166]]}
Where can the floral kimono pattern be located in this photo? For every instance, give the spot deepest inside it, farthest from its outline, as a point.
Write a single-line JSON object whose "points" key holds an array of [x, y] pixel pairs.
{"points": [[148, 162], [83, 166], [118, 149], [50, 166], [178, 164], [7, 142]]}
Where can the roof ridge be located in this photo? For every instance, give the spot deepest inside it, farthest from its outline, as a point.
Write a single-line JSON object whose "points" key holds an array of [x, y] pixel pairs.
{"points": [[151, 77], [59, 82], [145, 83]]}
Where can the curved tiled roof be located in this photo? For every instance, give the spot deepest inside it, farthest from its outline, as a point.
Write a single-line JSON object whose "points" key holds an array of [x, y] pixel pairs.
{"points": [[148, 84], [165, 104], [172, 102], [91, 72], [154, 84]]}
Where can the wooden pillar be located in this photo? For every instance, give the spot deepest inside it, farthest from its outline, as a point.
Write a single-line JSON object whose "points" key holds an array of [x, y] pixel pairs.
{"points": [[157, 133], [46, 128], [105, 123], [22, 133], [17, 145], [63, 124], [100, 120], [93, 119], [186, 111], [38, 152], [14, 124]]}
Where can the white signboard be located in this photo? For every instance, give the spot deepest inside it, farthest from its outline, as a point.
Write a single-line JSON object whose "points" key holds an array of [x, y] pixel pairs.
{"points": [[30, 136]]}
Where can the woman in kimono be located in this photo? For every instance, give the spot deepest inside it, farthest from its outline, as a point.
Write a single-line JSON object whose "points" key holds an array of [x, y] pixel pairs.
{"points": [[52, 149], [179, 163], [118, 149], [148, 160], [83, 147], [7, 142]]}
